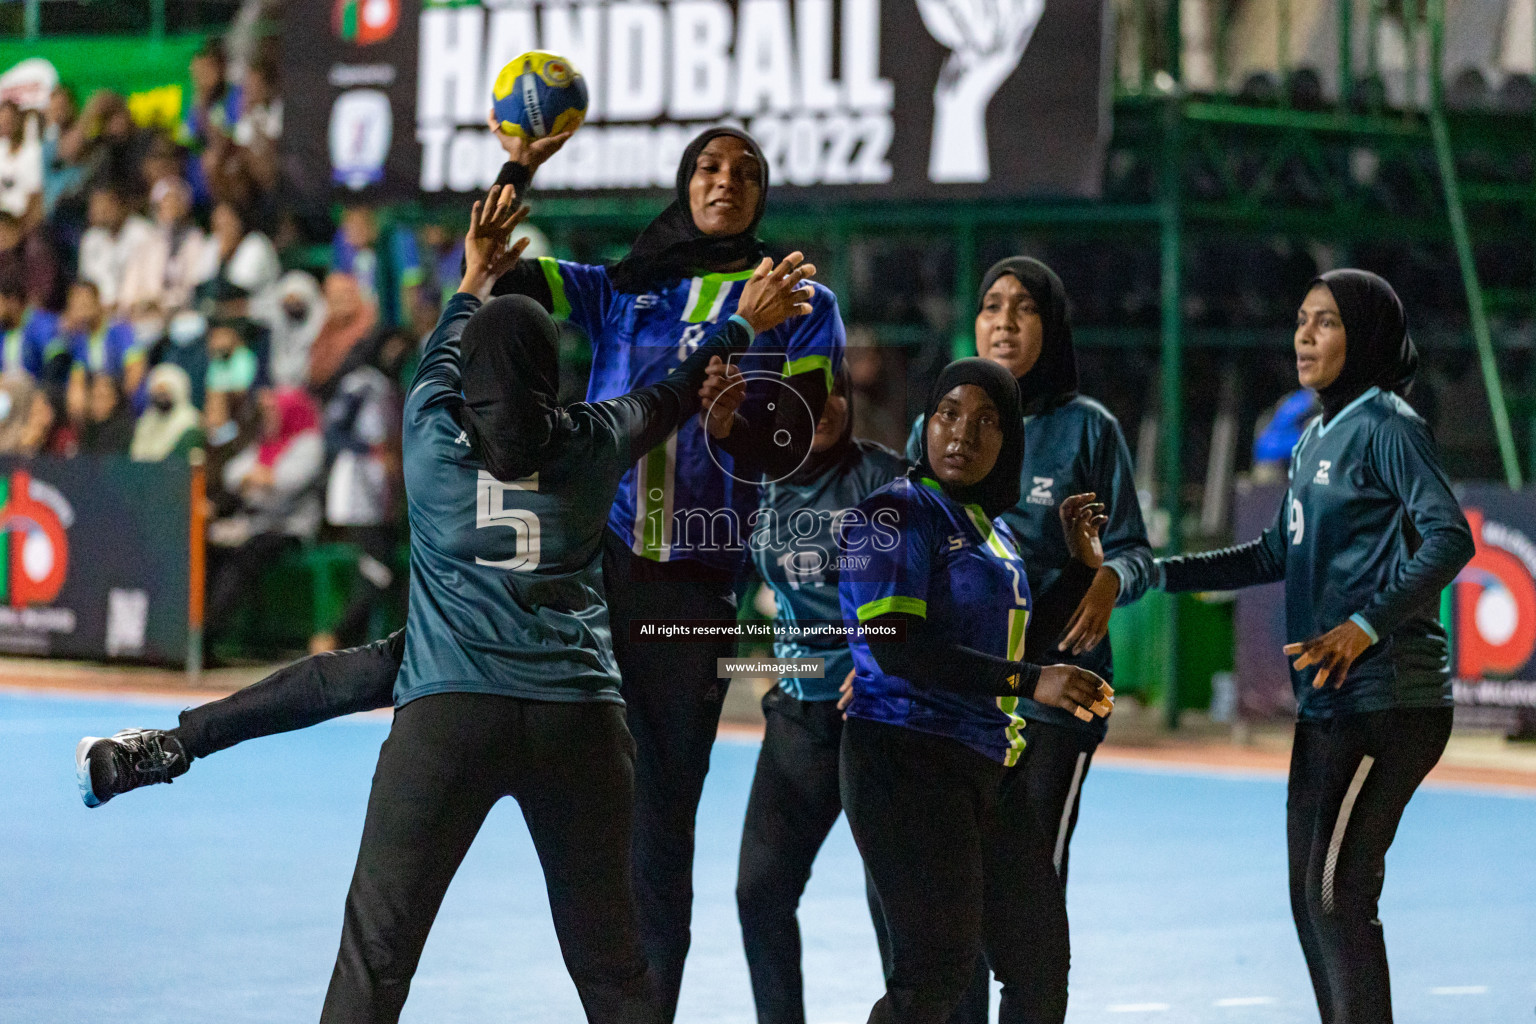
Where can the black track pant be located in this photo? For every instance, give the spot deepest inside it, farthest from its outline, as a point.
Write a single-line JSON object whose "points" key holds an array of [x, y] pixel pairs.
{"points": [[448, 759], [794, 804], [306, 693], [1041, 794], [673, 698], [1351, 778], [950, 882]]}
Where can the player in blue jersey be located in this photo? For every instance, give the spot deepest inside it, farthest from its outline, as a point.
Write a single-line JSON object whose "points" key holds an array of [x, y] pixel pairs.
{"points": [[934, 721], [1071, 445], [676, 538], [794, 801], [1367, 536], [508, 687]]}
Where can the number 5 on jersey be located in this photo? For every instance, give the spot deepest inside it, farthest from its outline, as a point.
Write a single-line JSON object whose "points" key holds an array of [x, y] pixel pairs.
{"points": [[491, 510]]}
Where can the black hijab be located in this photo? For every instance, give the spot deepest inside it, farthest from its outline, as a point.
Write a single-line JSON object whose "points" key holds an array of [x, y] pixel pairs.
{"points": [[818, 463], [672, 246], [999, 489], [1053, 378], [511, 375], [1377, 349]]}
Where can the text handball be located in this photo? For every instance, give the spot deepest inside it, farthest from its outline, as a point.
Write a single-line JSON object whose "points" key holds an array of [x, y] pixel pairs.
{"points": [[539, 94]]}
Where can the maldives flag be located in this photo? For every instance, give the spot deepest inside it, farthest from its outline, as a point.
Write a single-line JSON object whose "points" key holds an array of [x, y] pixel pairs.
{"points": [[365, 21]]}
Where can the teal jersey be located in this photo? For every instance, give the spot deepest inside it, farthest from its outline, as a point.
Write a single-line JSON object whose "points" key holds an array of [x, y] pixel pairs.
{"points": [[506, 591], [921, 553], [1074, 448], [1368, 531], [794, 548]]}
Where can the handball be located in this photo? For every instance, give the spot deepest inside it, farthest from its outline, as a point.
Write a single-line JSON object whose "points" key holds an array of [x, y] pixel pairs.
{"points": [[539, 94]]}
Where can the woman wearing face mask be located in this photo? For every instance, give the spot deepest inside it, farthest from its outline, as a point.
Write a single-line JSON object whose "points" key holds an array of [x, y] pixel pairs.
{"points": [[935, 720], [294, 318], [1366, 538], [795, 801], [171, 426], [509, 685], [1071, 445], [676, 538]]}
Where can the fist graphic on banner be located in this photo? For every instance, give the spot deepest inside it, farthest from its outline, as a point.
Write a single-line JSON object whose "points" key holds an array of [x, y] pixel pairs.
{"points": [[986, 39]]}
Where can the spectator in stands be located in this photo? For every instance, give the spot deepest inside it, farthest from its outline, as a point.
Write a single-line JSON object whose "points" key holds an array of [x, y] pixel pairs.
{"points": [[109, 143], [385, 263], [186, 345], [274, 479], [170, 426], [26, 416], [256, 134], [109, 421], [261, 113], [215, 103], [117, 238], [232, 366], [350, 318], [97, 344], [62, 177], [362, 441], [293, 320], [21, 167], [240, 255], [160, 282], [25, 331], [26, 257]]}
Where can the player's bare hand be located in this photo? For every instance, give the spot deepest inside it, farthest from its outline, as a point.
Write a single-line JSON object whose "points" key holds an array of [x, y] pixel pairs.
{"points": [[1333, 652], [720, 396], [773, 294], [1076, 690], [531, 153], [845, 693], [1089, 624], [487, 251], [1081, 520]]}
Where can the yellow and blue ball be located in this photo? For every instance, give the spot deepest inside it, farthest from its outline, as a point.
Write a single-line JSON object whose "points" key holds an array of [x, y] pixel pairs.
{"points": [[539, 94]]}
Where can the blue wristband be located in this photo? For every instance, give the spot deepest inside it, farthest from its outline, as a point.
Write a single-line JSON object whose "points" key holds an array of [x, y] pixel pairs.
{"points": [[751, 334]]}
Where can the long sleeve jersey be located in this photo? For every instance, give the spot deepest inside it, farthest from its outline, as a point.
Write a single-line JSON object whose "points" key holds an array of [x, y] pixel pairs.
{"points": [[1368, 531], [685, 497], [1071, 449], [506, 591], [794, 548]]}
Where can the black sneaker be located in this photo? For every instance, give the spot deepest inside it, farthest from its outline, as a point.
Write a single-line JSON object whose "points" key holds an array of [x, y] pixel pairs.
{"points": [[132, 758]]}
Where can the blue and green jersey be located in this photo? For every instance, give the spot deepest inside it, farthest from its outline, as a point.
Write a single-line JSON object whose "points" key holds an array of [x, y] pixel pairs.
{"points": [[682, 500], [931, 557]]}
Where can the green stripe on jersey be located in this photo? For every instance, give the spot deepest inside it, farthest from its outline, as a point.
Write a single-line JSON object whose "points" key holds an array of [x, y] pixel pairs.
{"points": [[809, 364], [705, 299], [1014, 730], [653, 512], [896, 603], [551, 268], [995, 543]]}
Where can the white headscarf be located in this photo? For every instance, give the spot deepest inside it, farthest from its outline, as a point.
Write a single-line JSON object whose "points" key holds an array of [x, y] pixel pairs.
{"points": [[157, 433], [290, 340]]}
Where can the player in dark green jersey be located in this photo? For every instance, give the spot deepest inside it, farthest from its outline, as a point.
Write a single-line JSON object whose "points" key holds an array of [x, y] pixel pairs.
{"points": [[1366, 538]]}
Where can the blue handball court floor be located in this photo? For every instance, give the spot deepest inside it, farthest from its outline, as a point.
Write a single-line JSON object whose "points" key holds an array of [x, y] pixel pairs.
{"points": [[219, 898]]}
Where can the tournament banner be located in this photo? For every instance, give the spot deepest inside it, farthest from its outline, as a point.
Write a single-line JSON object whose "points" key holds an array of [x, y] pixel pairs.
{"points": [[94, 558], [879, 99], [1489, 611]]}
